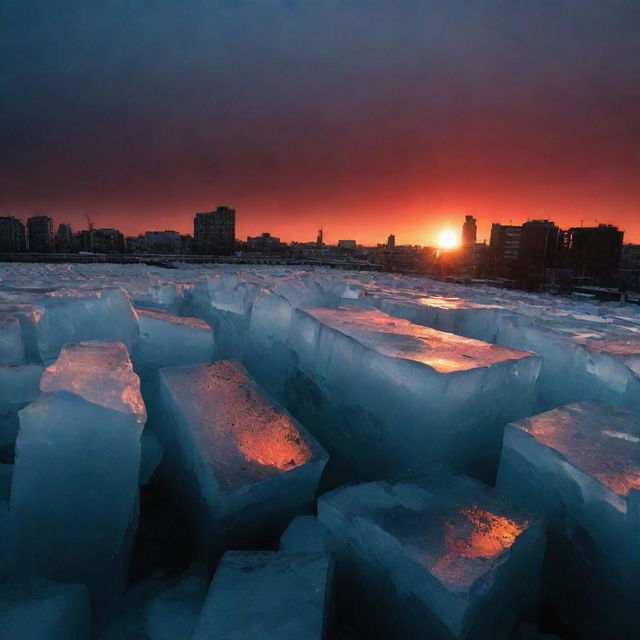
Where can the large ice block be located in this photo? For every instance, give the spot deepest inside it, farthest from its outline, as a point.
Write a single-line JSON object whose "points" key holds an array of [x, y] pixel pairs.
{"points": [[225, 302], [444, 558], [28, 315], [239, 459], [76, 471], [267, 355], [383, 394], [12, 347], [74, 315], [158, 608], [167, 340], [585, 356], [174, 613], [305, 533], [6, 473], [579, 466], [43, 610], [19, 385], [267, 595]]}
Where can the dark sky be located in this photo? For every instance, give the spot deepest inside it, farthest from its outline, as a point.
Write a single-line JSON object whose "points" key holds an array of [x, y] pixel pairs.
{"points": [[369, 117]]}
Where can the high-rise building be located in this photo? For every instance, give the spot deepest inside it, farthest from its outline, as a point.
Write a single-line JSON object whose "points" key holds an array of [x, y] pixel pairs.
{"points": [[469, 231], [12, 235], [504, 246], [64, 239], [593, 251], [538, 245], [391, 241], [320, 239], [214, 232], [40, 234]]}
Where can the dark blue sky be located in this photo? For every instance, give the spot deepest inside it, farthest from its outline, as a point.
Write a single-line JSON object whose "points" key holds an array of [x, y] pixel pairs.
{"points": [[370, 117]]}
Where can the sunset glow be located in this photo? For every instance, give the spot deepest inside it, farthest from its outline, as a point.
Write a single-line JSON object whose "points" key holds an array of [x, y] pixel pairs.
{"points": [[447, 239]]}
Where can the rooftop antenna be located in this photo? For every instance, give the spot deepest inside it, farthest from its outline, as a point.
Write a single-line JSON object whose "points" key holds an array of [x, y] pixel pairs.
{"points": [[89, 221]]}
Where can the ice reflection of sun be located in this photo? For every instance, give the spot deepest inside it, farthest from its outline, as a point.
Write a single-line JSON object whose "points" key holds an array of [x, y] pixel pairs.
{"points": [[491, 535], [277, 444]]}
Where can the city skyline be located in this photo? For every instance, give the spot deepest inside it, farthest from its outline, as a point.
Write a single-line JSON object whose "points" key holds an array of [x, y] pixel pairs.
{"points": [[415, 114], [448, 236]]}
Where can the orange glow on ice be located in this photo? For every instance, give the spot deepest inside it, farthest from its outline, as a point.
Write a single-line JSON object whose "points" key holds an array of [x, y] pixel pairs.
{"points": [[277, 444], [489, 537]]}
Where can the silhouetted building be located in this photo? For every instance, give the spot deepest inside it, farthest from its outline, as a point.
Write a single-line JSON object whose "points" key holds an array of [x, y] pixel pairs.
{"points": [[40, 234], [319, 240], [166, 241], [214, 232], [539, 243], [469, 231], [264, 243], [186, 244], [504, 246], [349, 245], [83, 240], [391, 241], [106, 241], [594, 251], [12, 234], [64, 241]]}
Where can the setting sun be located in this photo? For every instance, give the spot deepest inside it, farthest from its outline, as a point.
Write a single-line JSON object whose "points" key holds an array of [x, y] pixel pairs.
{"points": [[447, 240]]}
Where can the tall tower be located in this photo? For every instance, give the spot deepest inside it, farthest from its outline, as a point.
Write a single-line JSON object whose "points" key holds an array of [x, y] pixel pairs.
{"points": [[40, 230], [319, 241], [214, 232], [469, 230], [391, 241]]}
